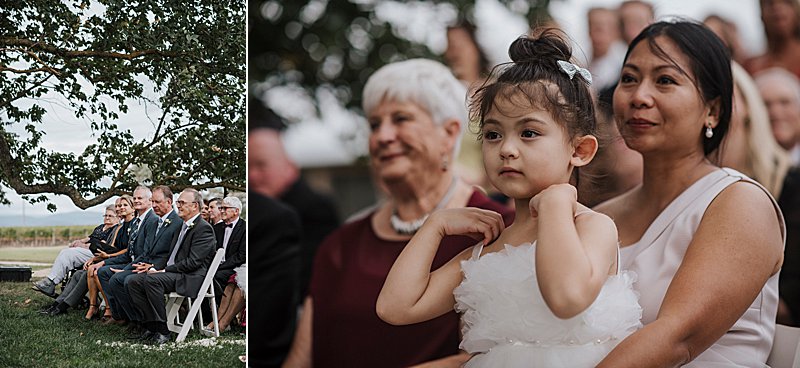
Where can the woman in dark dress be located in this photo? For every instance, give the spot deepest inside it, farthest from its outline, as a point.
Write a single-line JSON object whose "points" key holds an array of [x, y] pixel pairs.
{"points": [[119, 245]]}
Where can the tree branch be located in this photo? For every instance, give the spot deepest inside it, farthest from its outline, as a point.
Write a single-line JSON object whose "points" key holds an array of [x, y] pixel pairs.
{"points": [[7, 167], [224, 184], [24, 92], [70, 54], [4, 68]]}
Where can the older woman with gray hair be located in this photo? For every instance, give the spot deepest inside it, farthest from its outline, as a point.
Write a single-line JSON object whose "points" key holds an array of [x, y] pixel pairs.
{"points": [[416, 112]]}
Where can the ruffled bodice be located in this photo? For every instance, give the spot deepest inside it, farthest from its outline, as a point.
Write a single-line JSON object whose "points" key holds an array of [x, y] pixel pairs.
{"points": [[506, 321]]}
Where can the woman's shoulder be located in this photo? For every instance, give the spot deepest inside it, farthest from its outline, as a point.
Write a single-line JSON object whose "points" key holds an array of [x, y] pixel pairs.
{"points": [[617, 207], [745, 196]]}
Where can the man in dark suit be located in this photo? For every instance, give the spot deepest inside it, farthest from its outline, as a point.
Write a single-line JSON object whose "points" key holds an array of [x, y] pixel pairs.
{"points": [[152, 253], [190, 255], [214, 214], [143, 232], [272, 173], [275, 252], [231, 237]]}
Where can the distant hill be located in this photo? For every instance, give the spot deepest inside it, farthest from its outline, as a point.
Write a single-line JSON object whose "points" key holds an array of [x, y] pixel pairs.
{"points": [[59, 219]]}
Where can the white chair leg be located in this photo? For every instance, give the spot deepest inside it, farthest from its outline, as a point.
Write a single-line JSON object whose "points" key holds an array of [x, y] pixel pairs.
{"points": [[214, 316], [173, 313], [200, 322], [187, 324]]}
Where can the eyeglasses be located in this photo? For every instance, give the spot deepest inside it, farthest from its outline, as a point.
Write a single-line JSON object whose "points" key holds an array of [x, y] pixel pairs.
{"points": [[183, 203]]}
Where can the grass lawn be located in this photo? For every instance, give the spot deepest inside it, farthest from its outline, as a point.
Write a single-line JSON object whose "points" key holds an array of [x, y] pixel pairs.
{"points": [[30, 254], [30, 339]]}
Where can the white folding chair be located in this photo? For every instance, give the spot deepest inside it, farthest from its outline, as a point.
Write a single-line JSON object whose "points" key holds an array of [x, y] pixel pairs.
{"points": [[175, 300], [785, 348]]}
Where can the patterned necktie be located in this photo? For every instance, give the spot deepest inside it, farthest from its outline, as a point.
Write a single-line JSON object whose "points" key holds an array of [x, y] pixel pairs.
{"points": [[160, 222], [134, 233], [171, 259]]}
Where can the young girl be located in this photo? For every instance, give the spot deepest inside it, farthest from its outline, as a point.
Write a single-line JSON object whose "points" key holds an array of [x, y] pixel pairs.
{"points": [[547, 291]]}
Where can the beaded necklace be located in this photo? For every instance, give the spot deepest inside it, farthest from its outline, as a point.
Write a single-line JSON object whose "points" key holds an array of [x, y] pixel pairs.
{"points": [[411, 227]]}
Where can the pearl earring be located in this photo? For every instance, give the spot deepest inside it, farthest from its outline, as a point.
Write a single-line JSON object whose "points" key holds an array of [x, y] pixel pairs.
{"points": [[709, 132]]}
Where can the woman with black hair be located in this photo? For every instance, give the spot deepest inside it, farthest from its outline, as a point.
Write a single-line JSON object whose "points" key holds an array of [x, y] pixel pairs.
{"points": [[706, 242]]}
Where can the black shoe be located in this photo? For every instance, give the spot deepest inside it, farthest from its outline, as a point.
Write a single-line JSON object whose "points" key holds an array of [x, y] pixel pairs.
{"points": [[50, 310], [56, 311], [46, 309], [134, 328], [158, 339], [146, 336], [135, 333]]}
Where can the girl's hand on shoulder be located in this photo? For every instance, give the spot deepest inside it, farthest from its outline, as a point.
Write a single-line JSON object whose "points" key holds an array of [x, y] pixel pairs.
{"points": [[476, 223], [564, 193]]}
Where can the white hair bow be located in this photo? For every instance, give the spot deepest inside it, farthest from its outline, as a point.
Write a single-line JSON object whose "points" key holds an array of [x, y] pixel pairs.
{"points": [[571, 69]]}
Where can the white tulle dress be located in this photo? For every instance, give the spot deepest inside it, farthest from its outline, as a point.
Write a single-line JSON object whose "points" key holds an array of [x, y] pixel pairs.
{"points": [[506, 323]]}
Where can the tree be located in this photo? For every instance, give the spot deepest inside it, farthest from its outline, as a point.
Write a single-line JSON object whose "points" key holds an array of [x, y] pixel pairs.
{"points": [[337, 42], [101, 55]]}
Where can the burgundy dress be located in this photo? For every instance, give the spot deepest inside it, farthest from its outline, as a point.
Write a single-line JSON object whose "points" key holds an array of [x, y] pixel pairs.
{"points": [[349, 270]]}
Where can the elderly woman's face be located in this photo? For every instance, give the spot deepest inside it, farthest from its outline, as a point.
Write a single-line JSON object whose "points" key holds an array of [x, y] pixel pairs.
{"points": [[110, 218], [404, 140]]}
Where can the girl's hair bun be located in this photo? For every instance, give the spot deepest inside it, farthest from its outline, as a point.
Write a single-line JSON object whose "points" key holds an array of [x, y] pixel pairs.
{"points": [[547, 48]]}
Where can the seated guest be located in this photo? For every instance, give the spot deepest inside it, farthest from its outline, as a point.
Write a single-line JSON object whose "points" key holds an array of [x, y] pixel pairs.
{"points": [[204, 211], [154, 251], [706, 242], [780, 90], [214, 214], [230, 235], [416, 113], [233, 299], [275, 253], [190, 254], [78, 252], [79, 284], [272, 173], [144, 226], [126, 213]]}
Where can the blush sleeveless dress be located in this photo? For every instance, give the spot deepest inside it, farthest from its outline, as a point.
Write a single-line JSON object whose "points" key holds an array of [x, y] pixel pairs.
{"points": [[658, 254], [506, 323]]}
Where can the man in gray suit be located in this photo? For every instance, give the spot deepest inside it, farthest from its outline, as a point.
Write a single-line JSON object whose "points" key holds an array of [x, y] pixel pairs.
{"points": [[190, 255]]}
